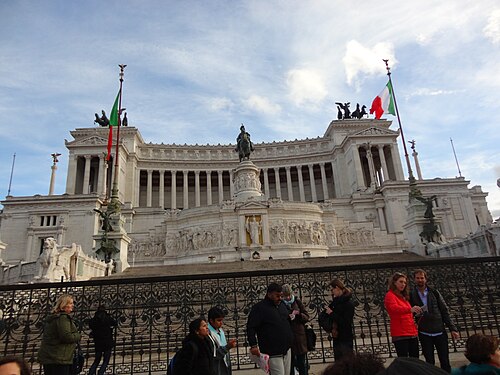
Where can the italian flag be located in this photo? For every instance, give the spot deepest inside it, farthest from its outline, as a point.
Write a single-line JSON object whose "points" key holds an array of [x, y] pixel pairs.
{"points": [[113, 121], [384, 102]]}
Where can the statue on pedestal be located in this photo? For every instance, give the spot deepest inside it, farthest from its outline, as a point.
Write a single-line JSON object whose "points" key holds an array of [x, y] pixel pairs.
{"points": [[244, 145]]}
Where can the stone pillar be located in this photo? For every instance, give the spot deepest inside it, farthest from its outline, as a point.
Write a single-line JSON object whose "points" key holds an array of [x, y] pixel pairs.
{"points": [[71, 177], [161, 198], [220, 186], [396, 160], [301, 184], [336, 181], [359, 168], [289, 184], [277, 182], [52, 178], [86, 176], [383, 162], [313, 183], [138, 187], [231, 184], [197, 188], [173, 191], [266, 184], [417, 164], [29, 248], [185, 190], [209, 188], [381, 215], [323, 181], [149, 194]]}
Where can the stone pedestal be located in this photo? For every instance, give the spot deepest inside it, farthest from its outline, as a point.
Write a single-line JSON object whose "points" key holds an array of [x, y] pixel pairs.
{"points": [[246, 182]]}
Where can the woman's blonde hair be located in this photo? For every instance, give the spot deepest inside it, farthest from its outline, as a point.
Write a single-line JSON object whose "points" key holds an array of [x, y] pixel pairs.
{"points": [[287, 290], [63, 301]]}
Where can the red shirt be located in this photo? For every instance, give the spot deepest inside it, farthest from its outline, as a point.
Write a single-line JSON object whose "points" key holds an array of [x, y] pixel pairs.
{"points": [[399, 310]]}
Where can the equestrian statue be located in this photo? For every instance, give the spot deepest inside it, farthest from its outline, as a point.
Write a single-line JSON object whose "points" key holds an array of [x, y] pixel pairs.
{"points": [[244, 145]]}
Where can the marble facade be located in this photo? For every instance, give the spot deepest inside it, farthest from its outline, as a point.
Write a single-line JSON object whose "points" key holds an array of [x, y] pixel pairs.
{"points": [[341, 193]]}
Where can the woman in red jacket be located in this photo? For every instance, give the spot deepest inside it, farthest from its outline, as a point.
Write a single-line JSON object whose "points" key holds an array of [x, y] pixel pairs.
{"points": [[404, 332]]}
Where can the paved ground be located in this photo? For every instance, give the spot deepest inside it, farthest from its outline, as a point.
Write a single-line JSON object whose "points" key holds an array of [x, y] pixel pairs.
{"points": [[457, 360]]}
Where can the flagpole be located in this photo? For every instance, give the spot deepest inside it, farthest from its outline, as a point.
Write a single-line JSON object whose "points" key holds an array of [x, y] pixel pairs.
{"points": [[11, 173], [411, 178], [456, 160], [115, 204]]}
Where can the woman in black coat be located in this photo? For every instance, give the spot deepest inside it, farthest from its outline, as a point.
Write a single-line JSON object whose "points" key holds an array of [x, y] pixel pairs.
{"points": [[341, 310], [198, 351], [102, 331]]}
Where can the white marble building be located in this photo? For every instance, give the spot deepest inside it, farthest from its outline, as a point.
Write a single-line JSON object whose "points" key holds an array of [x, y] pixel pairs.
{"points": [[341, 193]]}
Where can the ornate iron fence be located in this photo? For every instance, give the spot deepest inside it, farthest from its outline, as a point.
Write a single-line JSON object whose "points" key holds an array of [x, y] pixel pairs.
{"points": [[154, 313]]}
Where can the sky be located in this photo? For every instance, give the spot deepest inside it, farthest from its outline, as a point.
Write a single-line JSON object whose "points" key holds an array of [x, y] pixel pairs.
{"points": [[197, 69]]}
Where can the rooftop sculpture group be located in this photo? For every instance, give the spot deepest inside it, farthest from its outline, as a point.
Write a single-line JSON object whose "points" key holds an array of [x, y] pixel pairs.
{"points": [[358, 113]]}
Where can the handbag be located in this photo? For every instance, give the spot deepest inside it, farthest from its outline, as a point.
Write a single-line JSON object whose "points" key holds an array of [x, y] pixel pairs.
{"points": [[78, 360], [325, 321], [310, 337]]}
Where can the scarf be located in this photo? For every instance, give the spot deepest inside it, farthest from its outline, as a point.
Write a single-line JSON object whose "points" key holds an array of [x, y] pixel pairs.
{"points": [[219, 337], [289, 303]]}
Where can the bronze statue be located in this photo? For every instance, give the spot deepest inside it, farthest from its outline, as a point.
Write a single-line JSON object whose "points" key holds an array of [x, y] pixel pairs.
{"points": [[428, 203], [103, 120], [244, 145], [345, 108], [55, 157], [106, 220], [125, 119], [359, 112], [412, 142]]}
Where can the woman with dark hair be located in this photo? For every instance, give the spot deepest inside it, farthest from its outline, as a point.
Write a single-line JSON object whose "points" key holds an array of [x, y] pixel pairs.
{"points": [[102, 331], [198, 351], [403, 328], [341, 310], [483, 353], [13, 366], [60, 336]]}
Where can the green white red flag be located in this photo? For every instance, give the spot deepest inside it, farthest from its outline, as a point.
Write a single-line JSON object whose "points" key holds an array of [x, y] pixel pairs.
{"points": [[113, 121], [384, 102]]}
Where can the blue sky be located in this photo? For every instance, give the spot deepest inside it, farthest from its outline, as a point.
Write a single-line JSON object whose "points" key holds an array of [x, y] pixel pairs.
{"points": [[197, 69]]}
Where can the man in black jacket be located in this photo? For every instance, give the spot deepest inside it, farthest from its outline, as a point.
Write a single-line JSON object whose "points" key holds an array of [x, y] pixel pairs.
{"points": [[431, 323], [269, 331]]}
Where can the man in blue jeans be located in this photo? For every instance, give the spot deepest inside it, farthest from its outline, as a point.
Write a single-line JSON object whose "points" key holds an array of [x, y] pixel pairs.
{"points": [[102, 331], [269, 331], [431, 323]]}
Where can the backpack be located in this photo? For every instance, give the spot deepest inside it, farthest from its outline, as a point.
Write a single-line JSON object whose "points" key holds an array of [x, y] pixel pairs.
{"points": [[181, 352]]}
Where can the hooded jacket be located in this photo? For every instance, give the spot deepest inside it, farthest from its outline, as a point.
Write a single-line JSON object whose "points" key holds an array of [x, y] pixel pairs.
{"points": [[59, 339]]}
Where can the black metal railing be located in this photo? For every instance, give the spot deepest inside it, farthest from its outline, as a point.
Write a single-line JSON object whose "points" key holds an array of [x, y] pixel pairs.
{"points": [[153, 313]]}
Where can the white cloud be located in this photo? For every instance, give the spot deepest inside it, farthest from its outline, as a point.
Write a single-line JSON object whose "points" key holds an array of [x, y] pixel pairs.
{"points": [[262, 105], [492, 28], [432, 92], [306, 86], [360, 60], [220, 104]]}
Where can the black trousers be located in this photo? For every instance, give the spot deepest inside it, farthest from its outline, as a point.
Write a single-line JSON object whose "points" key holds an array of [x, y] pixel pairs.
{"points": [[53, 369], [342, 348], [407, 347], [441, 344]]}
